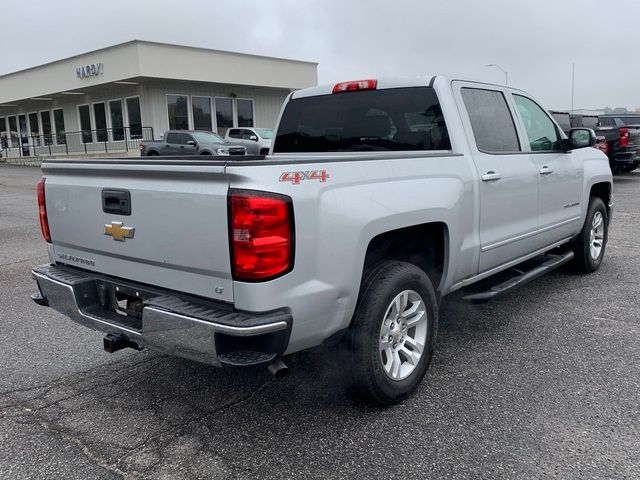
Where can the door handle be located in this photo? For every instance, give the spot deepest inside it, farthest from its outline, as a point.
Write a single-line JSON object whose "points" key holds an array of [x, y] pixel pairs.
{"points": [[545, 170], [491, 176]]}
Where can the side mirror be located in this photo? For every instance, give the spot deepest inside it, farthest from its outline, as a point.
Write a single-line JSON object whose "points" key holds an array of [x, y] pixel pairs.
{"points": [[253, 138], [191, 142], [582, 137]]}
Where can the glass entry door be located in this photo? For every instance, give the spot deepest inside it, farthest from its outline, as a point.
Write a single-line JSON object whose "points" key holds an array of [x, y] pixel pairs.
{"points": [[24, 134], [117, 120], [100, 118]]}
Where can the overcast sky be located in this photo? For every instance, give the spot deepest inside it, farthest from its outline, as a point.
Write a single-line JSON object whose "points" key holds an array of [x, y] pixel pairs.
{"points": [[536, 41]]}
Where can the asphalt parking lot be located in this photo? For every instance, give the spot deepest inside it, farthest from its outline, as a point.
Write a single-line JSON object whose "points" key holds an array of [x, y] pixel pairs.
{"points": [[544, 382]]}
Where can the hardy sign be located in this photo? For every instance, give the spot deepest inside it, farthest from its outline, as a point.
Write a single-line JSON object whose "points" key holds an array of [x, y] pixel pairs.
{"points": [[92, 70]]}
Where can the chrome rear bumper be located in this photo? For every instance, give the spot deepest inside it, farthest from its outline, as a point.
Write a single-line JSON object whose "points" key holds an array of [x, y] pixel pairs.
{"points": [[205, 332]]}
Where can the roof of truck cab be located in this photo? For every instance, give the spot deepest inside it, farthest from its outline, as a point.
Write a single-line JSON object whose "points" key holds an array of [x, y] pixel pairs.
{"points": [[383, 83], [394, 82]]}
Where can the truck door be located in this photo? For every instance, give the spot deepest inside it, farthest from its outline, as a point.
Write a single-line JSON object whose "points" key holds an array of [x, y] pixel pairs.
{"points": [[187, 148], [172, 144], [559, 172], [507, 176]]}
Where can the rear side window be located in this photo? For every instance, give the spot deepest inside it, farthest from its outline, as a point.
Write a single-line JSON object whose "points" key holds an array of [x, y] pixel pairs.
{"points": [[235, 133], [398, 119], [622, 121], [590, 122], [173, 138], [491, 120]]}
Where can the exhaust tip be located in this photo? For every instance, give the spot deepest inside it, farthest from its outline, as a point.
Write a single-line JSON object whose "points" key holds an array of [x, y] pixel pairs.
{"points": [[278, 368]]}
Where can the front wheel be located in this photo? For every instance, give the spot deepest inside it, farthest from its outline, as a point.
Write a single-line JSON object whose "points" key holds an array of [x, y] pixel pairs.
{"points": [[393, 332], [590, 245]]}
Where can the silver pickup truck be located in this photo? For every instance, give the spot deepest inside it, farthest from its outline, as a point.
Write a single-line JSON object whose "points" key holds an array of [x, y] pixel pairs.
{"points": [[379, 198]]}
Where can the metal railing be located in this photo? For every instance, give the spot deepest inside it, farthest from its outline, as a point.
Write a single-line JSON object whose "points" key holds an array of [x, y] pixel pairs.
{"points": [[107, 140]]}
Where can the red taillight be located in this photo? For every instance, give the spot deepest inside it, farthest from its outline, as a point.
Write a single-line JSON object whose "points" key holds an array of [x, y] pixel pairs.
{"points": [[355, 85], [141, 147], [624, 136], [42, 210], [261, 235]]}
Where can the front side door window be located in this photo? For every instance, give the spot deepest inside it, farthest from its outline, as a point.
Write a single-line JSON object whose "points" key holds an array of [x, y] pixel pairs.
{"points": [[542, 132]]}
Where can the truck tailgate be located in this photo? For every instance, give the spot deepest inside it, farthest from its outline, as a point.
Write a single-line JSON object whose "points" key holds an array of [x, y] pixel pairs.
{"points": [[178, 215]]}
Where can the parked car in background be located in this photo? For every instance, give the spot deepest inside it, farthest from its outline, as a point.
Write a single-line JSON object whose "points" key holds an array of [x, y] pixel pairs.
{"points": [[566, 121], [189, 142], [382, 196], [257, 141], [563, 119], [622, 133]]}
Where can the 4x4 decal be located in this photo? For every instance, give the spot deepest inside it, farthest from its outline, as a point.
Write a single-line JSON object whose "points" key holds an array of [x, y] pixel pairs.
{"points": [[297, 177]]}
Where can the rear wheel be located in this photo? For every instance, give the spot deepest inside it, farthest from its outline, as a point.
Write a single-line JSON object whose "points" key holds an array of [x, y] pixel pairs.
{"points": [[590, 245], [392, 335], [152, 154]]}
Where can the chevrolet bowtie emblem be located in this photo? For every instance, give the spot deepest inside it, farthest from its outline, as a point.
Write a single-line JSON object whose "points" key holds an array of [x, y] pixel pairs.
{"points": [[118, 231]]}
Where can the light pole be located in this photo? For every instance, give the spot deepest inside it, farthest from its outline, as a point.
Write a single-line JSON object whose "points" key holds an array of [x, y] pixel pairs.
{"points": [[506, 74]]}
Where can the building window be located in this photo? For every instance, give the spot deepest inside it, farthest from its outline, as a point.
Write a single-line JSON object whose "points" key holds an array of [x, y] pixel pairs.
{"points": [[34, 126], [244, 109], [4, 139], [134, 117], [13, 132], [201, 111], [117, 120], [85, 123], [45, 120], [100, 119], [224, 114], [58, 122], [178, 114]]}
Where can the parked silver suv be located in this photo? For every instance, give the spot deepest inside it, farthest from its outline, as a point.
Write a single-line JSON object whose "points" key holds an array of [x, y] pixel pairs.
{"points": [[257, 141]]}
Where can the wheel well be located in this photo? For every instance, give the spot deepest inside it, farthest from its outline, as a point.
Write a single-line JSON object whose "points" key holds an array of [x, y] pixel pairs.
{"points": [[602, 191], [422, 245]]}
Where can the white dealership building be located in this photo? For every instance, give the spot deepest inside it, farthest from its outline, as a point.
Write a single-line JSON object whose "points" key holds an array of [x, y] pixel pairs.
{"points": [[107, 100]]}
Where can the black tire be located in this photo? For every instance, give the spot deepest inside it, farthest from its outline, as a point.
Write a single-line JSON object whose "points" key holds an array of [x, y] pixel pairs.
{"points": [[584, 262], [381, 284], [264, 151], [152, 154]]}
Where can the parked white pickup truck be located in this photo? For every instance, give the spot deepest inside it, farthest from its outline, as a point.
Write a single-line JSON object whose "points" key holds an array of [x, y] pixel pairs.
{"points": [[379, 198]]}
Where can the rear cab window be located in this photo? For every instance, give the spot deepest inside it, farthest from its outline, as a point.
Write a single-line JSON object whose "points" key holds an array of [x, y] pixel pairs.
{"points": [[394, 119]]}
